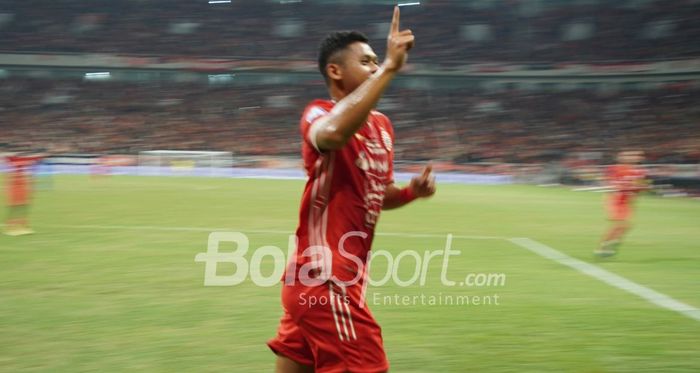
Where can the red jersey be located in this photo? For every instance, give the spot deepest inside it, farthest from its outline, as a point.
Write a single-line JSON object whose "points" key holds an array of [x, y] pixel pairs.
{"points": [[344, 194], [626, 179], [20, 169]]}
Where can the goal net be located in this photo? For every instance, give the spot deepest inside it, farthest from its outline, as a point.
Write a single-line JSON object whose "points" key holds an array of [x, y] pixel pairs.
{"points": [[187, 163]]}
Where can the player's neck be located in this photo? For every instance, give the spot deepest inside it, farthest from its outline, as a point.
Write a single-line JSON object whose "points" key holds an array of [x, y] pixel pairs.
{"points": [[336, 94]]}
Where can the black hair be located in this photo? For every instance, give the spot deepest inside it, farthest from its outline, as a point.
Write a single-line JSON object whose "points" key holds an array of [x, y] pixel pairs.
{"points": [[334, 43]]}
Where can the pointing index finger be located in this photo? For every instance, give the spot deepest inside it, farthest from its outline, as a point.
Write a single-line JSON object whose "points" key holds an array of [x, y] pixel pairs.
{"points": [[395, 20], [427, 170]]}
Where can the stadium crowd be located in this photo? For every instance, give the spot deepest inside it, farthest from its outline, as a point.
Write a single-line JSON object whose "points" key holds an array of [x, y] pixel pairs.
{"points": [[458, 125], [500, 30]]}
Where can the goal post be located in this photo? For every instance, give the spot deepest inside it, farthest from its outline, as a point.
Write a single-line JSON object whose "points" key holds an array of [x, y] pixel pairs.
{"points": [[184, 162]]}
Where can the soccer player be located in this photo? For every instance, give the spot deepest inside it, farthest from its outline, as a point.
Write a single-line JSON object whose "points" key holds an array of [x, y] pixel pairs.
{"points": [[627, 181], [19, 189], [348, 155]]}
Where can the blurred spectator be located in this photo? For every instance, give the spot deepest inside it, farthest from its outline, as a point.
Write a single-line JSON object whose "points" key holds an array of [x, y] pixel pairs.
{"points": [[500, 30], [453, 125]]}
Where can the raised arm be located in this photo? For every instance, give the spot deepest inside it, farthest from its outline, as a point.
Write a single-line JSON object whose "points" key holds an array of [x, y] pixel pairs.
{"points": [[334, 130]]}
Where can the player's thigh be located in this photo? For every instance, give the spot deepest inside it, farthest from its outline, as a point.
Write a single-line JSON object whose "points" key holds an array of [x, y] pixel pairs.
{"points": [[18, 197], [290, 342], [287, 365]]}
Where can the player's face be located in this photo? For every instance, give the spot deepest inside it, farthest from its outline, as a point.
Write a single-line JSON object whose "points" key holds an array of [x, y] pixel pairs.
{"points": [[359, 63]]}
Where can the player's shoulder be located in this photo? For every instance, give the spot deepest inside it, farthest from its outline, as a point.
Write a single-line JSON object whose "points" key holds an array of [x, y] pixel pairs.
{"points": [[319, 104], [382, 118], [378, 114], [316, 108]]}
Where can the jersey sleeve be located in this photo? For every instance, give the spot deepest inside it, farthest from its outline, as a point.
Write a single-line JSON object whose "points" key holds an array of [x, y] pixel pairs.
{"points": [[310, 118]]}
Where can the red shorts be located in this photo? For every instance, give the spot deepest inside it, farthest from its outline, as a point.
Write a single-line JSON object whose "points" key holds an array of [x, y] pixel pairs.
{"points": [[619, 207], [324, 326]]}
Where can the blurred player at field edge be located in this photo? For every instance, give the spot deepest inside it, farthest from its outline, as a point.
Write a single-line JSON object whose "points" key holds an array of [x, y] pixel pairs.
{"points": [[627, 181], [19, 190], [348, 155]]}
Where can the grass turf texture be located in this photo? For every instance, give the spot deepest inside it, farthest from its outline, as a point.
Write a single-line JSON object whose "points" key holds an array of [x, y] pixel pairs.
{"points": [[113, 298]]}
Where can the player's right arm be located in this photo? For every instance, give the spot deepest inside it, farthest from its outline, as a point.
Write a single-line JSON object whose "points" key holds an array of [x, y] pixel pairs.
{"points": [[334, 130]]}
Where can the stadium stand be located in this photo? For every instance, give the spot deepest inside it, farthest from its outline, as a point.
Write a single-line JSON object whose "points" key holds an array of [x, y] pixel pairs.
{"points": [[458, 125], [504, 30]]}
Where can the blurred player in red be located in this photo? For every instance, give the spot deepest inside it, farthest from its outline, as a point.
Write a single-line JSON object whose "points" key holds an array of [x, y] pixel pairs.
{"points": [[19, 190], [627, 181], [348, 155]]}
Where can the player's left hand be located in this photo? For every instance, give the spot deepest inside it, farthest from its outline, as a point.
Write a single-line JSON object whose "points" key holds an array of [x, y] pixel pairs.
{"points": [[423, 185]]}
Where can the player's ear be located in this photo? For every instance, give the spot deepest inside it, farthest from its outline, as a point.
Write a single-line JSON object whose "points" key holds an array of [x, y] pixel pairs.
{"points": [[334, 71]]}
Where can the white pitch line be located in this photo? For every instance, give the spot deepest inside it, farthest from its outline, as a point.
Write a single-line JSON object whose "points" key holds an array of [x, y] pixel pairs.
{"points": [[652, 296], [229, 229], [612, 279], [433, 235], [161, 228]]}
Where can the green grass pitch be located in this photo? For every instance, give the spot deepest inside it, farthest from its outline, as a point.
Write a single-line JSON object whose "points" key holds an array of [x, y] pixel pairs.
{"points": [[109, 282]]}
